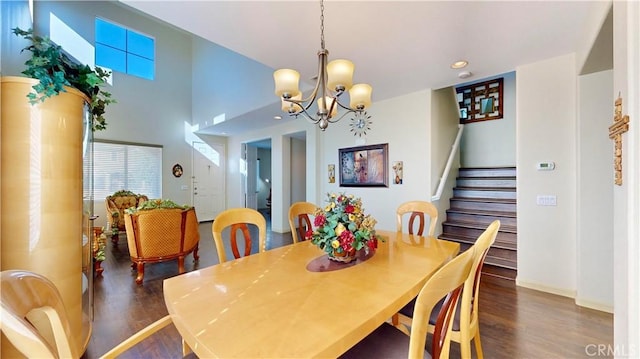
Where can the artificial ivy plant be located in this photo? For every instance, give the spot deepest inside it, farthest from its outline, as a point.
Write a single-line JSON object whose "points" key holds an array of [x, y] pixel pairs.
{"points": [[55, 69]]}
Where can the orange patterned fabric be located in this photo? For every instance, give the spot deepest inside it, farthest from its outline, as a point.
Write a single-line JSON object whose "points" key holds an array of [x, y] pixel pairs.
{"points": [[158, 233], [117, 204]]}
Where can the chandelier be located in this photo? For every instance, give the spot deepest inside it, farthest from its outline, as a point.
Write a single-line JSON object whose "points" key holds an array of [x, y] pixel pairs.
{"points": [[333, 80]]}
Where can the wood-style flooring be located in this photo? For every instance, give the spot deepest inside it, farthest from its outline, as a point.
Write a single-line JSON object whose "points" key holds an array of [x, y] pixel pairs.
{"points": [[515, 322]]}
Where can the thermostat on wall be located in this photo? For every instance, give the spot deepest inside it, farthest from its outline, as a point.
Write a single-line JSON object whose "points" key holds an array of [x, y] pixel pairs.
{"points": [[545, 166]]}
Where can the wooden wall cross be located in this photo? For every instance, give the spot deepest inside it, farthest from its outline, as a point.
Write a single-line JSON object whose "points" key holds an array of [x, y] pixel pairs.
{"points": [[620, 126]]}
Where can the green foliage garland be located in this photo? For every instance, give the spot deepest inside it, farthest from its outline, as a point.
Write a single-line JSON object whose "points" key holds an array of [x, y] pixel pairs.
{"points": [[55, 69]]}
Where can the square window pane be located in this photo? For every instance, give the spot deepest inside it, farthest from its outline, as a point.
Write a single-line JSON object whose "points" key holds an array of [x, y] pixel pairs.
{"points": [[140, 45], [139, 66], [111, 34], [112, 58]]}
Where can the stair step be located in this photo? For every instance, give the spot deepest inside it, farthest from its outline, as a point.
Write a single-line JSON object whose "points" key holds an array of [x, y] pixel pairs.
{"points": [[506, 234], [499, 272], [489, 192], [509, 255], [508, 182], [482, 217], [481, 196], [503, 205], [487, 172], [499, 242], [501, 262]]}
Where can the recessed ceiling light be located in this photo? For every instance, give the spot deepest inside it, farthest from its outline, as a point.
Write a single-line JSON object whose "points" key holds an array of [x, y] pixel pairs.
{"points": [[277, 117], [464, 74], [459, 64]]}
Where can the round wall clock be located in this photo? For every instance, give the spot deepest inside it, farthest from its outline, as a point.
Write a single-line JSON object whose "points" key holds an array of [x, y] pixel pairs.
{"points": [[360, 124], [177, 170]]}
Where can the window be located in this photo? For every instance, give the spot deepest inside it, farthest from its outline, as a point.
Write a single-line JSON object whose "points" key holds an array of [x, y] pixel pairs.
{"points": [[124, 50], [136, 168]]}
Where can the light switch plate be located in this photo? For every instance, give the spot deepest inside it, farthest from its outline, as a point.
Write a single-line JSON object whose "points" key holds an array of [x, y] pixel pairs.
{"points": [[546, 200], [545, 166]]}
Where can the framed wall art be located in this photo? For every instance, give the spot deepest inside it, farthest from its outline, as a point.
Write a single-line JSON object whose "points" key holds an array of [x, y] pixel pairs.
{"points": [[481, 101], [364, 166], [398, 168]]}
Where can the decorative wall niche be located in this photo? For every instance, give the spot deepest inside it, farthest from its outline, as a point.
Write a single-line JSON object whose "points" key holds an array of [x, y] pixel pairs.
{"points": [[481, 101]]}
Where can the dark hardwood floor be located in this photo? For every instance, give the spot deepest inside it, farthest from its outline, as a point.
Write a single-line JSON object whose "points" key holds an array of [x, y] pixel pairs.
{"points": [[514, 322]]}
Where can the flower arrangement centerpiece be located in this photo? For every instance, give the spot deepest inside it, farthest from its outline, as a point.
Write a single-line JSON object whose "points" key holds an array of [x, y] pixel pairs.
{"points": [[342, 228]]}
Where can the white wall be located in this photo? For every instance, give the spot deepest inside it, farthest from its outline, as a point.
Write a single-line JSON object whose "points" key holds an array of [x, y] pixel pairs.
{"points": [[546, 131], [214, 68], [444, 128], [492, 143], [403, 123], [594, 254], [298, 182], [626, 208]]}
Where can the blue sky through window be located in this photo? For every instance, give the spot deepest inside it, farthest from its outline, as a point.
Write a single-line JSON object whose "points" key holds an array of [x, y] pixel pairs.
{"points": [[124, 50]]}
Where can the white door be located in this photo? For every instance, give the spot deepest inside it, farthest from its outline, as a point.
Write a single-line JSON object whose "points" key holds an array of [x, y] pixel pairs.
{"points": [[208, 180]]}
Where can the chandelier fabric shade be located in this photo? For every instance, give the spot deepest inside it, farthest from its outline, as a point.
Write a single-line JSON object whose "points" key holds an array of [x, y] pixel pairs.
{"points": [[333, 79]]}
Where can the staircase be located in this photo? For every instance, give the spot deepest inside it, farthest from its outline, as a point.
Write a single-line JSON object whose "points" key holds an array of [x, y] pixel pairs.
{"points": [[481, 196]]}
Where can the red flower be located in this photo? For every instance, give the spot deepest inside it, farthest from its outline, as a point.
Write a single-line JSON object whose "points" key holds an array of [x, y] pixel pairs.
{"points": [[373, 244], [348, 208], [308, 234], [320, 220], [346, 240]]}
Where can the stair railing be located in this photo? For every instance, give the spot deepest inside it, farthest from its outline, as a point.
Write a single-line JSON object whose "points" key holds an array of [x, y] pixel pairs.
{"points": [[447, 168]]}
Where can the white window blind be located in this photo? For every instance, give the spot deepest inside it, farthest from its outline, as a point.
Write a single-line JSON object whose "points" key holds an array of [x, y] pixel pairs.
{"points": [[135, 168]]}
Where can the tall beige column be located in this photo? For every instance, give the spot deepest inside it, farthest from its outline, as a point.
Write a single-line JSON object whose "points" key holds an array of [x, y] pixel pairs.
{"points": [[41, 198]]}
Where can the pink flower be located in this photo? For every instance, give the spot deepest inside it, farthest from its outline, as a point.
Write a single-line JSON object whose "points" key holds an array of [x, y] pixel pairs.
{"points": [[320, 220]]}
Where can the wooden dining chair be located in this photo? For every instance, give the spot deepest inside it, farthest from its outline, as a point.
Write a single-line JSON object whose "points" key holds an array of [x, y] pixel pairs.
{"points": [[465, 326], [300, 212], [35, 321], [419, 210], [444, 285], [239, 219]]}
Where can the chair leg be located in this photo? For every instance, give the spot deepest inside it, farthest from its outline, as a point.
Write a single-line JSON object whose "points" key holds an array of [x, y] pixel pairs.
{"points": [[181, 264], [395, 320], [476, 340], [185, 348], [195, 253], [140, 276]]}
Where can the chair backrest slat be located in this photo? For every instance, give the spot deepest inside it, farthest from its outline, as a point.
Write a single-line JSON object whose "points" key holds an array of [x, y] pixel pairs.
{"points": [[300, 211], [234, 217], [419, 210]]}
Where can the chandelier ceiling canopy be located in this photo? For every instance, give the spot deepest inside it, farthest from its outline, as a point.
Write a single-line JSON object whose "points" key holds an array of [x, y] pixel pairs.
{"points": [[333, 79]]}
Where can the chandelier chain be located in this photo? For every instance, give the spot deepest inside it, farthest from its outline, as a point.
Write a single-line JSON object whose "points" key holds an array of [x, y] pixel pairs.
{"points": [[322, 24]]}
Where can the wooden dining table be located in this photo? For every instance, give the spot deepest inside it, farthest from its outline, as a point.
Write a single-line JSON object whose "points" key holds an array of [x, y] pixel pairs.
{"points": [[290, 302]]}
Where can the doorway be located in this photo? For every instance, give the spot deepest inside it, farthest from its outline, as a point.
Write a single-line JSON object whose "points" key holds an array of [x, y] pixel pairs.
{"points": [[257, 182], [208, 185]]}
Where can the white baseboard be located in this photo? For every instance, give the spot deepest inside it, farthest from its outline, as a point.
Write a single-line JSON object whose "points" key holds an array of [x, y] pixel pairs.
{"points": [[595, 305], [547, 289]]}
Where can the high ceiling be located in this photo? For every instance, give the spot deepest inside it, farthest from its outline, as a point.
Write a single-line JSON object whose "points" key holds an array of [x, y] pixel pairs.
{"points": [[397, 46]]}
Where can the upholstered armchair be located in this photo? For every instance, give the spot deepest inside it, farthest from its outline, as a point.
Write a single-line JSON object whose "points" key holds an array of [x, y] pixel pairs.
{"points": [[158, 233], [116, 204]]}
